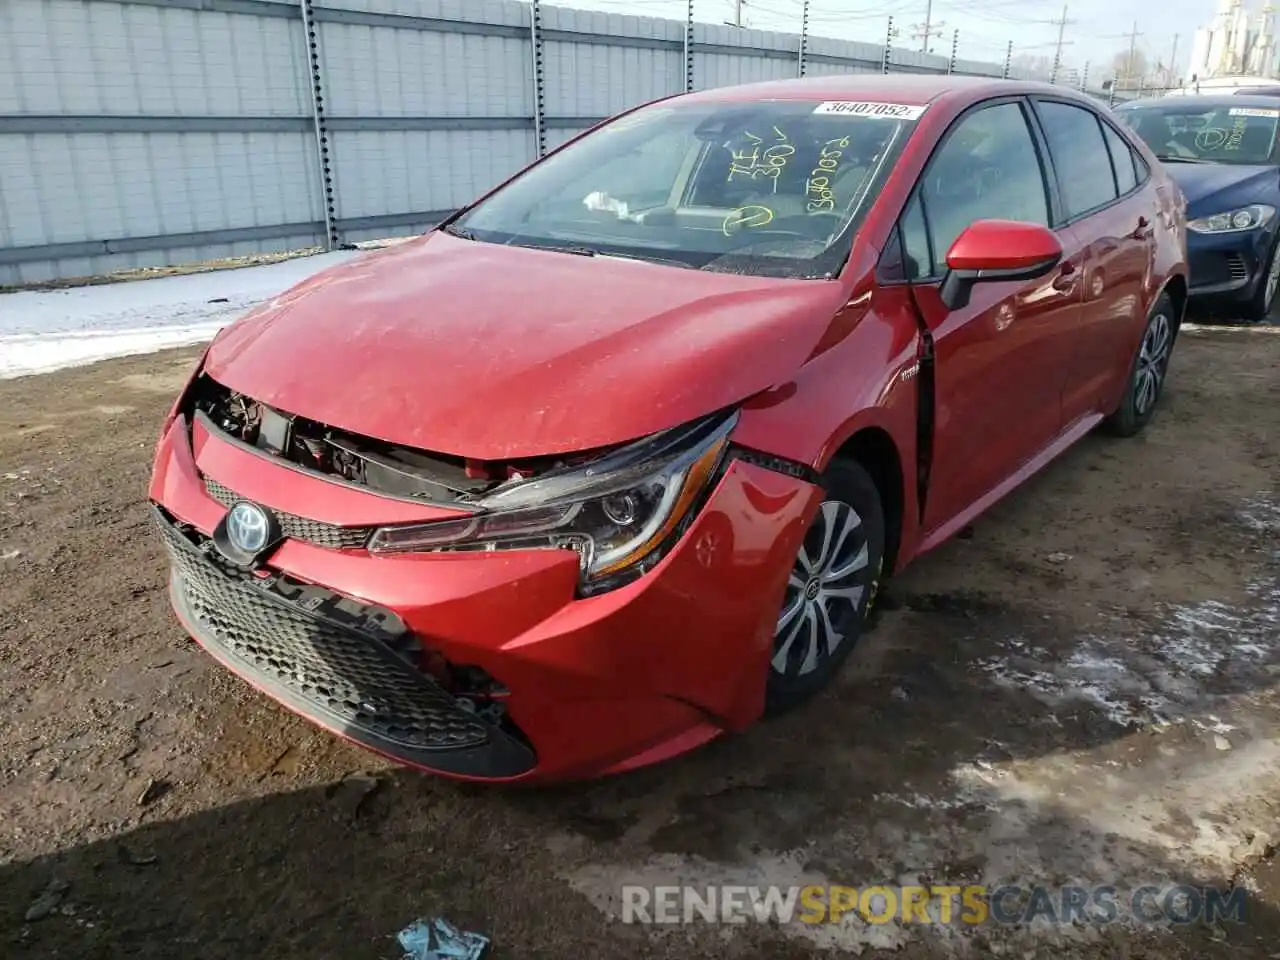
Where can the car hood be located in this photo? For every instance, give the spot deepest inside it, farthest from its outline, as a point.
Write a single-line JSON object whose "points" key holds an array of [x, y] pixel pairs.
{"points": [[497, 352], [1213, 187]]}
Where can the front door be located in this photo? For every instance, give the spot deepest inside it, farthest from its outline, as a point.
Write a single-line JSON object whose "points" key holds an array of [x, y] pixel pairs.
{"points": [[999, 363]]}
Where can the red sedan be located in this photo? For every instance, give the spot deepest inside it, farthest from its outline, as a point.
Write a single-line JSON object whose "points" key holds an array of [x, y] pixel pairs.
{"points": [[614, 460]]}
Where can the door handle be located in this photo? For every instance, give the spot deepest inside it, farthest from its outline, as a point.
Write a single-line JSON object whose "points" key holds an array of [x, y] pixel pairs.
{"points": [[1065, 281], [1143, 230]]}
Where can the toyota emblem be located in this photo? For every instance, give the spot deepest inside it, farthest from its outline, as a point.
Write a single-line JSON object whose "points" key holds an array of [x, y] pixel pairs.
{"points": [[248, 527]]}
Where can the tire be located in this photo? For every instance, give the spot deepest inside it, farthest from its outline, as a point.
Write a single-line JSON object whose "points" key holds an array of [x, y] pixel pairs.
{"points": [[1258, 307], [840, 582], [1147, 372]]}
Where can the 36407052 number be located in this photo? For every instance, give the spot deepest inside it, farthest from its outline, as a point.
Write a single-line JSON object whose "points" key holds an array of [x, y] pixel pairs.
{"points": [[818, 188]]}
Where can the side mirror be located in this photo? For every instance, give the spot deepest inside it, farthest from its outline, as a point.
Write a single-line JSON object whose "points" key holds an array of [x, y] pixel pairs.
{"points": [[991, 250]]}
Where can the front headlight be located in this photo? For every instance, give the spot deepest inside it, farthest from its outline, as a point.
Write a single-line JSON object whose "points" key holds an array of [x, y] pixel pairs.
{"points": [[616, 512], [1234, 221]]}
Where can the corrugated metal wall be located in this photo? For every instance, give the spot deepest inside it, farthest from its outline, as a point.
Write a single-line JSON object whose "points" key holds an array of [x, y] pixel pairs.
{"points": [[140, 133]]}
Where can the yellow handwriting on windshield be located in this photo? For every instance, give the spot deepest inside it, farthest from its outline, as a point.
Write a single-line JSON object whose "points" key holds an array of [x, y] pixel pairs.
{"points": [[1236, 136], [755, 160], [818, 188], [1211, 138], [752, 215]]}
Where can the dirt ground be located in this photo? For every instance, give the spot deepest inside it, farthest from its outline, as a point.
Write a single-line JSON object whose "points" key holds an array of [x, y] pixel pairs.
{"points": [[1081, 691]]}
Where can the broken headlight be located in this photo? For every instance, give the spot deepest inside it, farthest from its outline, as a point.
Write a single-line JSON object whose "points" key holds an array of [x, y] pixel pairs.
{"points": [[616, 512]]}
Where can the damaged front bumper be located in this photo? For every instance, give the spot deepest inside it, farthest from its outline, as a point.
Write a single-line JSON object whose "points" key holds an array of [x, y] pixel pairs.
{"points": [[372, 646]]}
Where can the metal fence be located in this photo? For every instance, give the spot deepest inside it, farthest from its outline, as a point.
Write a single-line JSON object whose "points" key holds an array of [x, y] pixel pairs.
{"points": [[140, 133]]}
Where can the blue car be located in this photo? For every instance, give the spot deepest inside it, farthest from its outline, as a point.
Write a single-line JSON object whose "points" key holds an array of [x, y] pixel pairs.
{"points": [[1223, 152]]}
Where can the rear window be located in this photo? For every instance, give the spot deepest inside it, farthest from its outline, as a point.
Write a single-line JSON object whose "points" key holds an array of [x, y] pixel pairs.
{"points": [[1127, 171], [1080, 155]]}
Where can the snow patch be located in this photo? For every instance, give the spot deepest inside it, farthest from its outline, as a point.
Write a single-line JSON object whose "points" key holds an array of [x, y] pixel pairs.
{"points": [[45, 330], [602, 885], [1157, 677], [1261, 514]]}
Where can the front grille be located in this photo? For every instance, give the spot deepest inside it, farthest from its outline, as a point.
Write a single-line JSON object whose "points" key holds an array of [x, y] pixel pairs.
{"points": [[1236, 267], [300, 528], [343, 677]]}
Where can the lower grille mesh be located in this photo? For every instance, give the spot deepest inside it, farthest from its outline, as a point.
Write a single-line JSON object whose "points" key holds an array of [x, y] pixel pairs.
{"points": [[347, 678]]}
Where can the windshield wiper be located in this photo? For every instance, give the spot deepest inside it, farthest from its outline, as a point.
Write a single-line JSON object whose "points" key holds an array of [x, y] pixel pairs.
{"points": [[1165, 158], [462, 233], [646, 258], [576, 249]]}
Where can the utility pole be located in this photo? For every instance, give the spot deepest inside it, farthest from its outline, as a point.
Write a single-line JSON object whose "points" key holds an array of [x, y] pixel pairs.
{"points": [[1133, 50], [927, 29], [1173, 59], [1062, 23], [737, 12]]}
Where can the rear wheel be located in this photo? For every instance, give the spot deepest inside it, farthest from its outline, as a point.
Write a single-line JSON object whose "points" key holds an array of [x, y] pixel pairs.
{"points": [[1148, 371], [831, 588]]}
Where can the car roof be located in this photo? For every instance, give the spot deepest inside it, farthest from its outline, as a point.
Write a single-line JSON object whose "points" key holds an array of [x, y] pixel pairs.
{"points": [[914, 89], [1205, 100]]}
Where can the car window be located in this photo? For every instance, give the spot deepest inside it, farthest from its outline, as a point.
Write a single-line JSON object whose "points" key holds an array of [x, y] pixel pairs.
{"points": [[1080, 157], [986, 168], [914, 231], [1121, 160], [1140, 167]]}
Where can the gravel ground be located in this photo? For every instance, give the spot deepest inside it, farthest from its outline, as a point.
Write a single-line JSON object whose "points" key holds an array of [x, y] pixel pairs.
{"points": [[1080, 691]]}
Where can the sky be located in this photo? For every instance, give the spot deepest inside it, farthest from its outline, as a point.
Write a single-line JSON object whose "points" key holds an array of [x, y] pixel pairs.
{"points": [[1094, 35]]}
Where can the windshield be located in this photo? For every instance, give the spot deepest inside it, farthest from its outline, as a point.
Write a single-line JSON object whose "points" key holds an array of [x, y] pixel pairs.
{"points": [[771, 188], [1215, 134]]}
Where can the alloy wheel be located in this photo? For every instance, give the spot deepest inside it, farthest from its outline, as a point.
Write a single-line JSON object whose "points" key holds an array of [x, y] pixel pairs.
{"points": [[828, 582], [1153, 360], [1273, 282]]}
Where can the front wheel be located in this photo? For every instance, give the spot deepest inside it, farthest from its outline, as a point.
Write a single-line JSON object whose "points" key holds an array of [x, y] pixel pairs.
{"points": [[1148, 371], [830, 590], [1259, 305]]}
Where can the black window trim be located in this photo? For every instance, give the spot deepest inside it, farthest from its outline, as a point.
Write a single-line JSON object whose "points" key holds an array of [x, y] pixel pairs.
{"points": [[1047, 178], [1065, 220], [1140, 165], [1115, 171]]}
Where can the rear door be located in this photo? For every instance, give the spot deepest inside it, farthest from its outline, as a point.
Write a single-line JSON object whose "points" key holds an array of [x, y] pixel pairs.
{"points": [[997, 361], [1111, 212]]}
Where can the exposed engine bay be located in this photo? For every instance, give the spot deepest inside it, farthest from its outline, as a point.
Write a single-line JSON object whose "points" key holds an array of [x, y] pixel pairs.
{"points": [[380, 466]]}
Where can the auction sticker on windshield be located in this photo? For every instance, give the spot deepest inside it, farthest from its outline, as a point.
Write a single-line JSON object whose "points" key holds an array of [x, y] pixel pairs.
{"points": [[1253, 112], [867, 108]]}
